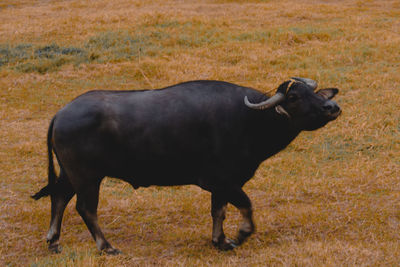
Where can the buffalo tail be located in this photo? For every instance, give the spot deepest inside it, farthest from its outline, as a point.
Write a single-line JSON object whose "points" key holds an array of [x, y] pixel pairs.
{"points": [[52, 177]]}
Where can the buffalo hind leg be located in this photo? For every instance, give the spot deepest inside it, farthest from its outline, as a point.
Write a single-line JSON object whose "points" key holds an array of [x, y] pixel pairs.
{"points": [[241, 201], [86, 205], [60, 196]]}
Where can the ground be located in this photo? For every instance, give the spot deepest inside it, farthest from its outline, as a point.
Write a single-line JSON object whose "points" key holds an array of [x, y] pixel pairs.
{"points": [[332, 198]]}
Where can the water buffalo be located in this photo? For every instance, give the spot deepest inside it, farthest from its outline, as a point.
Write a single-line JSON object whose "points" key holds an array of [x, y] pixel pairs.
{"points": [[212, 134]]}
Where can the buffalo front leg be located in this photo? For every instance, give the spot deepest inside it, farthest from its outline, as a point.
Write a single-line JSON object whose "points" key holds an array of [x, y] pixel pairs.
{"points": [[238, 198], [218, 209], [86, 205], [60, 196], [241, 201]]}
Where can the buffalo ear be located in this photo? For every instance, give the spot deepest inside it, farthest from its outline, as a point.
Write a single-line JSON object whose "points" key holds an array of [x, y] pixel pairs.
{"points": [[328, 93]]}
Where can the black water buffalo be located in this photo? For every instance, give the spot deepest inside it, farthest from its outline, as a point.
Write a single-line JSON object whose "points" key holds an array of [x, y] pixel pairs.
{"points": [[208, 133]]}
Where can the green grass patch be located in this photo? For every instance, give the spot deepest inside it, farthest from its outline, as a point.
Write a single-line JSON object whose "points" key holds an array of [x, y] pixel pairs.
{"points": [[101, 48], [108, 47], [155, 39]]}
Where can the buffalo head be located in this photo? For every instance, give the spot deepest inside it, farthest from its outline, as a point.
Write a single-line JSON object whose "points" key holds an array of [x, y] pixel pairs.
{"points": [[297, 100]]}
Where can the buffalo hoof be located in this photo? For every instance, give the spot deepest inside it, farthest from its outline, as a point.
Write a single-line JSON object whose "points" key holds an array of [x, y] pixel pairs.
{"points": [[226, 244], [243, 235], [55, 248], [111, 251]]}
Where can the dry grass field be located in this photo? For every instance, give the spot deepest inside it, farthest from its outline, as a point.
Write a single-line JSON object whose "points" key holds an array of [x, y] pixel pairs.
{"points": [[332, 198]]}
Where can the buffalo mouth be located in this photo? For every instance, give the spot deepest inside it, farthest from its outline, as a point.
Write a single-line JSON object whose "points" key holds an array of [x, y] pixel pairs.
{"points": [[335, 114]]}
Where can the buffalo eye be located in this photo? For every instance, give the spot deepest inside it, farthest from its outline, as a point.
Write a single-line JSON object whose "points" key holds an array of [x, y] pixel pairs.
{"points": [[292, 98]]}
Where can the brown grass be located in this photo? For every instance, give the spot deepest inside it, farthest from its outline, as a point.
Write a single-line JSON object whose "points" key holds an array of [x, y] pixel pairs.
{"points": [[332, 198]]}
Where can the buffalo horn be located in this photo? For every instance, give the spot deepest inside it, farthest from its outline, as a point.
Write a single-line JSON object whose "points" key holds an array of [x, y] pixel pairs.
{"points": [[313, 84], [270, 102]]}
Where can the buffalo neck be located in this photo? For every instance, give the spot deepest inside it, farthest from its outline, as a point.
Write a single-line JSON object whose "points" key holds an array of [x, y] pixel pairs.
{"points": [[274, 134]]}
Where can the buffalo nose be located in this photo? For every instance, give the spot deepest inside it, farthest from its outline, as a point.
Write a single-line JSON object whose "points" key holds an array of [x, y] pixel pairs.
{"points": [[331, 106]]}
